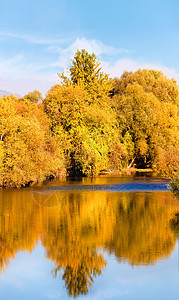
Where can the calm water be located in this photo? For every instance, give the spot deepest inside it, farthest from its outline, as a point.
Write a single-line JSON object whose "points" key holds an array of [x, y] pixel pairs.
{"points": [[102, 238]]}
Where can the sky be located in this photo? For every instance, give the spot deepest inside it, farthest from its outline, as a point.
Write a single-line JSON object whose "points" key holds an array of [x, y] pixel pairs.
{"points": [[38, 38]]}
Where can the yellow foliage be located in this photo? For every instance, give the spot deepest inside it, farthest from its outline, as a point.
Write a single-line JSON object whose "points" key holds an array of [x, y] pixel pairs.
{"points": [[26, 146], [146, 104], [85, 126]]}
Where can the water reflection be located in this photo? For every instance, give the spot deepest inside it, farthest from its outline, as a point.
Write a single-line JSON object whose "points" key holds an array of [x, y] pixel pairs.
{"points": [[75, 227], [79, 273]]}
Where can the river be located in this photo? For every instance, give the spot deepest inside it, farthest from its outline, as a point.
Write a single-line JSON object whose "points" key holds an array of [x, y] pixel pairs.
{"points": [[91, 238]]}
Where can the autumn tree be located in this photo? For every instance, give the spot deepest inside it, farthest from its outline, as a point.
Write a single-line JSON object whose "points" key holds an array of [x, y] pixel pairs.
{"points": [[86, 71], [146, 105], [81, 116], [152, 81], [35, 97], [27, 152]]}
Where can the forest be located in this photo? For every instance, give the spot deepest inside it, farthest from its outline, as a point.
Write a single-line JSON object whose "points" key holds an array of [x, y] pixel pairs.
{"points": [[90, 122]]}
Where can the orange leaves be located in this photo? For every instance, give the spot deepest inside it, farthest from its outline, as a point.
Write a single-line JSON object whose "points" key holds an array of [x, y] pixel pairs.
{"points": [[25, 146], [84, 121], [146, 107], [152, 81]]}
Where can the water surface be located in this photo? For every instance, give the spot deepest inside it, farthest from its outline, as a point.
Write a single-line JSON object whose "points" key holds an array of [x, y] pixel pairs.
{"points": [[100, 238]]}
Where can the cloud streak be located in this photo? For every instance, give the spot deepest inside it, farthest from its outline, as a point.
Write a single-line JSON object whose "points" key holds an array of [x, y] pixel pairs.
{"points": [[33, 39], [18, 67]]}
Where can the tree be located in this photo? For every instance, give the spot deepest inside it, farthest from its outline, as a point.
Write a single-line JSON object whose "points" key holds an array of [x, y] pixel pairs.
{"points": [[27, 152], [80, 111], [152, 81], [35, 97], [86, 71], [146, 105]]}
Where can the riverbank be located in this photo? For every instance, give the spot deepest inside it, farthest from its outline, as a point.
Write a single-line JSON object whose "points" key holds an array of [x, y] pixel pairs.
{"points": [[174, 185], [126, 171], [64, 176]]}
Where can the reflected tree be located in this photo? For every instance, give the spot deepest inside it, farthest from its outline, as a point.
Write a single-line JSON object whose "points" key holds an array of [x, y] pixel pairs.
{"points": [[135, 227], [80, 275]]}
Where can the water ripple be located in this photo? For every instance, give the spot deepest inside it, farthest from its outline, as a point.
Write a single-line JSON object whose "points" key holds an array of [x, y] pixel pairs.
{"points": [[119, 187]]}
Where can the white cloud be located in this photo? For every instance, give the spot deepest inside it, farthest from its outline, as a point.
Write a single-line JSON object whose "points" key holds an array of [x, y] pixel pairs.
{"points": [[121, 65], [7, 66], [115, 69], [21, 75], [66, 54], [18, 67], [170, 73], [111, 292]]}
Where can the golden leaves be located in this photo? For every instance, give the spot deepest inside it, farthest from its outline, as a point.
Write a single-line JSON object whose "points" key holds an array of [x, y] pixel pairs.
{"points": [[25, 143]]}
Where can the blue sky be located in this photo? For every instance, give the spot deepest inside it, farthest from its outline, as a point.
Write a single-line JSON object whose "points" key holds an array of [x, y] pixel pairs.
{"points": [[39, 37]]}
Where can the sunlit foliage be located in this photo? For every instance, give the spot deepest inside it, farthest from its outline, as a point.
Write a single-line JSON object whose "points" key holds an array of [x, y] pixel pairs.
{"points": [[81, 116], [34, 97], [86, 71], [146, 103], [88, 123], [27, 153]]}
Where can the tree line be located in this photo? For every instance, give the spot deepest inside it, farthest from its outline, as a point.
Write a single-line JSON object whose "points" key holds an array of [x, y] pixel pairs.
{"points": [[88, 123]]}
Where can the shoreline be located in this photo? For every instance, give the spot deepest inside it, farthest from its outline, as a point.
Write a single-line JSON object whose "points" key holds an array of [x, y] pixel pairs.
{"points": [[64, 176]]}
